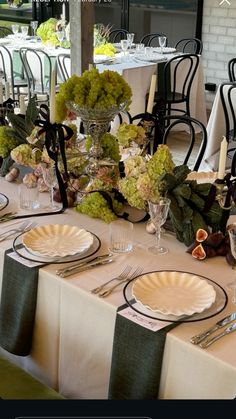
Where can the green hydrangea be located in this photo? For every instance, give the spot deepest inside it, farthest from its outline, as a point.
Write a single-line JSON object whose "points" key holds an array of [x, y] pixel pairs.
{"points": [[160, 163], [8, 141], [96, 206]]}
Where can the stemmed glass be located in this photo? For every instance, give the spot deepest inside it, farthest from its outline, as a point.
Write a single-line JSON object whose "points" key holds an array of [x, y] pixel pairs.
{"points": [[60, 36], [24, 31], [158, 212], [232, 238], [130, 39], [124, 45], [162, 42], [50, 179], [34, 25], [15, 29]]}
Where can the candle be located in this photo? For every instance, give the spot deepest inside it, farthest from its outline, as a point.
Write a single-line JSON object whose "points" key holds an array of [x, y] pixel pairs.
{"points": [[63, 11], [1, 93], [151, 93], [7, 90], [222, 159], [52, 100], [22, 105]]}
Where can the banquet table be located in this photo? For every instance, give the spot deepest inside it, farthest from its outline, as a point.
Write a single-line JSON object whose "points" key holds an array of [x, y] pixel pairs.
{"points": [[215, 132], [74, 329]]}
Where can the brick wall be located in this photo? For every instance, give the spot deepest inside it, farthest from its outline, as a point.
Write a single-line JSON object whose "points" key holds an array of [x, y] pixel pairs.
{"points": [[219, 41]]}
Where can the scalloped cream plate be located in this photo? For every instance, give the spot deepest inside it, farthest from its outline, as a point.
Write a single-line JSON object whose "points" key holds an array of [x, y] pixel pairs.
{"points": [[171, 292], [57, 240]]}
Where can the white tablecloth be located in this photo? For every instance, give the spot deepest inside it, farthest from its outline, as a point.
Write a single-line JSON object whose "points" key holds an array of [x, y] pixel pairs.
{"points": [[73, 335]]}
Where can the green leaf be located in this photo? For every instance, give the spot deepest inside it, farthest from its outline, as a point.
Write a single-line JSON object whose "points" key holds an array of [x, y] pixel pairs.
{"points": [[31, 115]]}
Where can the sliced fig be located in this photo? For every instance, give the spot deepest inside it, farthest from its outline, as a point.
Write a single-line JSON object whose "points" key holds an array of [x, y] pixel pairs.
{"points": [[192, 247], [201, 235], [199, 252], [215, 239]]}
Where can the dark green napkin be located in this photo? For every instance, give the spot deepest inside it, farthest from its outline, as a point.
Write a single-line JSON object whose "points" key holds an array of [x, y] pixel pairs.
{"points": [[136, 360], [17, 306]]}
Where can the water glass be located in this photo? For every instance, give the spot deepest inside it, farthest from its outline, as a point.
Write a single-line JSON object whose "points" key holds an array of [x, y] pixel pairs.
{"points": [[28, 197], [139, 49], [121, 236], [124, 46]]}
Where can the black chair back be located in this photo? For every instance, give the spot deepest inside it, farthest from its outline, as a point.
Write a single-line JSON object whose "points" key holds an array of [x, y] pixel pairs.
{"points": [[232, 69], [7, 73], [63, 63], [151, 39], [228, 100], [38, 68], [192, 127], [189, 45], [116, 35], [4, 31]]}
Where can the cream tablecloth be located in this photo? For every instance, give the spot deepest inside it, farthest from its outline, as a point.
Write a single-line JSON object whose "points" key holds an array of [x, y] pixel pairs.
{"points": [[73, 336]]}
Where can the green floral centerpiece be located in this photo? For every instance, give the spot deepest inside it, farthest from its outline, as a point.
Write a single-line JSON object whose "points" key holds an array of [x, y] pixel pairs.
{"points": [[47, 33], [101, 40]]}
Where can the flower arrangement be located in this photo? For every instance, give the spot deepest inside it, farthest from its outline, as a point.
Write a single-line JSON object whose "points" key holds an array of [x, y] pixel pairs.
{"points": [[47, 32], [93, 90]]}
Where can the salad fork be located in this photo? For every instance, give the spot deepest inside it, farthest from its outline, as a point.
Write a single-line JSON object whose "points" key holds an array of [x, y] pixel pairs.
{"points": [[120, 277], [25, 226], [108, 291]]}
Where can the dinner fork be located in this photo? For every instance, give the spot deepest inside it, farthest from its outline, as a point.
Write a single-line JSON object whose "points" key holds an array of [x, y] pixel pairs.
{"points": [[108, 291], [120, 277], [27, 225]]}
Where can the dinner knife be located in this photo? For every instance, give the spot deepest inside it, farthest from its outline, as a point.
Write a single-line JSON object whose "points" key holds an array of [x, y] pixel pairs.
{"points": [[84, 265], [226, 331], [221, 323]]}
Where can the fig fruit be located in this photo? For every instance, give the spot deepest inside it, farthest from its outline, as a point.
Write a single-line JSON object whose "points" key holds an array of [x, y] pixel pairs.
{"points": [[199, 252], [222, 250], [215, 239], [201, 235], [192, 247], [210, 251]]}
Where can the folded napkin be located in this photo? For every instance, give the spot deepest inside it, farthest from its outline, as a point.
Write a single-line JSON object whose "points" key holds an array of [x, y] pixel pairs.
{"points": [[136, 360], [18, 305]]}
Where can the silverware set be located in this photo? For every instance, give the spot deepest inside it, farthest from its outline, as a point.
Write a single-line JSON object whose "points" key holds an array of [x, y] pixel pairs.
{"points": [[123, 277], [84, 265], [201, 339], [25, 226]]}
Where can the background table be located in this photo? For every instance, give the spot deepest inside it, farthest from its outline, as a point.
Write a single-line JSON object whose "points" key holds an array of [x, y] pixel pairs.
{"points": [[73, 335]]}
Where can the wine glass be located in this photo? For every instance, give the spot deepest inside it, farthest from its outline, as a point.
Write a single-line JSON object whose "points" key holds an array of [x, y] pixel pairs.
{"points": [[158, 212], [232, 237], [60, 35], [124, 46], [130, 39], [15, 29], [50, 179], [24, 31], [34, 25], [162, 42]]}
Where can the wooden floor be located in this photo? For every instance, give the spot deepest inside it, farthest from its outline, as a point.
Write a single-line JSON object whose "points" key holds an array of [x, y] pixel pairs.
{"points": [[178, 144]]}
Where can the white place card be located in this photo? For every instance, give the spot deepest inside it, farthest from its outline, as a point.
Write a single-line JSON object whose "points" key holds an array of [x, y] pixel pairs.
{"points": [[142, 320], [23, 261]]}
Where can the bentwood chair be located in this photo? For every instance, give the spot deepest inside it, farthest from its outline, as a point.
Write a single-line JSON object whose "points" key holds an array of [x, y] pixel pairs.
{"points": [[232, 70], [189, 45], [4, 31], [228, 100], [7, 73], [63, 65], [37, 66], [151, 39], [116, 35], [193, 138]]}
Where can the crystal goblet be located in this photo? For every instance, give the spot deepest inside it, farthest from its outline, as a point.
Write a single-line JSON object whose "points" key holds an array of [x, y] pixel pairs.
{"points": [[34, 25], [162, 42], [50, 179], [158, 212]]}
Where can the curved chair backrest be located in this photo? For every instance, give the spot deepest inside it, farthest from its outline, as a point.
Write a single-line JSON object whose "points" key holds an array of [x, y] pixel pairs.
{"points": [[4, 31], [6, 66], [189, 45], [228, 99], [151, 39], [232, 69], [63, 64], [38, 68], [182, 69], [116, 35], [191, 124]]}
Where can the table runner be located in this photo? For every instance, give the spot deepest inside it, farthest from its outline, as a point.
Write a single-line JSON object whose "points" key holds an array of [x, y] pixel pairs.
{"points": [[136, 360], [18, 305]]}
